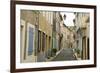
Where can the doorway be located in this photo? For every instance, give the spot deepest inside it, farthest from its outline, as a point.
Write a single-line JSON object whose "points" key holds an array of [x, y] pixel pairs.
{"points": [[30, 43], [84, 47]]}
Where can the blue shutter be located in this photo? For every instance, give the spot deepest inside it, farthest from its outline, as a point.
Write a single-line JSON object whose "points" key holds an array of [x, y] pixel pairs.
{"points": [[30, 41]]}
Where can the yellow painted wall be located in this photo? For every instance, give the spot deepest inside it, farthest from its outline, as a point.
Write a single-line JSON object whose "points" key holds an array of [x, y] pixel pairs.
{"points": [[45, 27]]}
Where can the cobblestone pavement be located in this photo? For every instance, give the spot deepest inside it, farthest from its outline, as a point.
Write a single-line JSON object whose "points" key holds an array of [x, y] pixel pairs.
{"points": [[64, 55]]}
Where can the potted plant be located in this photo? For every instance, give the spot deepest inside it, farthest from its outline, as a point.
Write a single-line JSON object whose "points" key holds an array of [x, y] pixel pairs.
{"points": [[78, 52], [53, 51]]}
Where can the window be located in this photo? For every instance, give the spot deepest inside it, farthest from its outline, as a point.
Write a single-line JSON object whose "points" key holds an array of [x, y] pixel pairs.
{"points": [[49, 42], [77, 43], [43, 41], [30, 41], [39, 41]]}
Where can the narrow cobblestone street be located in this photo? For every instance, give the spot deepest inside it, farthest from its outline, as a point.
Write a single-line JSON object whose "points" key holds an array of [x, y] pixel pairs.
{"points": [[65, 54], [54, 35]]}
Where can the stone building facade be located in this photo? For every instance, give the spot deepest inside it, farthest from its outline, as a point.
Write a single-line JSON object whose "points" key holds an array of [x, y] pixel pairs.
{"points": [[40, 33], [82, 33]]}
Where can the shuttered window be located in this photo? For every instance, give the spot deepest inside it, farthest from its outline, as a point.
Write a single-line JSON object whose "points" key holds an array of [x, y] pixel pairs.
{"points": [[30, 41]]}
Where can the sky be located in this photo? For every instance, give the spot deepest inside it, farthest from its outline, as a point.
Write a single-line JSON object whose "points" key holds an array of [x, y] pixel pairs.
{"points": [[69, 18]]}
